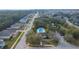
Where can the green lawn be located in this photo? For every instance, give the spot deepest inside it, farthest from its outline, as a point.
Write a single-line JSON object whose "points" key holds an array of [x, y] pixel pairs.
{"points": [[74, 42]]}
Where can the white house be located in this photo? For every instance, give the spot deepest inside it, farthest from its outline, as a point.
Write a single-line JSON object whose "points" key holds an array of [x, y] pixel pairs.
{"points": [[2, 43]]}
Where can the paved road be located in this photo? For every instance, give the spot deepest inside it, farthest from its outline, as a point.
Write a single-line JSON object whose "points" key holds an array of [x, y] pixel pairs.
{"points": [[71, 24], [63, 44], [22, 42]]}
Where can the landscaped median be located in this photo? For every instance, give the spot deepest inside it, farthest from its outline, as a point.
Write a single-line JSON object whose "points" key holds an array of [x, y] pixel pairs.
{"points": [[12, 42]]}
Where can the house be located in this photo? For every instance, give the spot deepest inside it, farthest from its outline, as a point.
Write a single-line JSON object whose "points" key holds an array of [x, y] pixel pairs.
{"points": [[7, 34], [23, 20], [2, 43], [43, 35], [17, 26], [14, 32], [42, 32]]}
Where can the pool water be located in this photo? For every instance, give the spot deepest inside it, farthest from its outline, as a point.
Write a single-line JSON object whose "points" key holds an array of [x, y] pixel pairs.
{"points": [[40, 30]]}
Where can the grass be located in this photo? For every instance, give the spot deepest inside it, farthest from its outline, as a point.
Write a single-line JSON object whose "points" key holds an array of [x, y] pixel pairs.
{"points": [[19, 39], [71, 30], [51, 42], [11, 41], [74, 42]]}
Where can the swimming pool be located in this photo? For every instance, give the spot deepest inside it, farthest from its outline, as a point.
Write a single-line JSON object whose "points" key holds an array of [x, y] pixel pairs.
{"points": [[40, 30]]}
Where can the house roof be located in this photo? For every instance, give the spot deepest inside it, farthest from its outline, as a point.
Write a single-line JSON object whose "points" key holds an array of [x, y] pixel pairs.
{"points": [[2, 43], [7, 32], [17, 25], [23, 20]]}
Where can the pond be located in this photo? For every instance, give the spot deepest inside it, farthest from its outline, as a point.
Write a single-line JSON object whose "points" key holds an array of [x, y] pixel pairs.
{"points": [[40, 30]]}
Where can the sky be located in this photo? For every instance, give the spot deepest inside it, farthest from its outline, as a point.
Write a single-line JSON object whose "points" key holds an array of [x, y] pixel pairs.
{"points": [[39, 4]]}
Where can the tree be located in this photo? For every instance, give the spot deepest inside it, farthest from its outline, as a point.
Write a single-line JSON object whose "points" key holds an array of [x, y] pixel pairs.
{"points": [[33, 39], [76, 34]]}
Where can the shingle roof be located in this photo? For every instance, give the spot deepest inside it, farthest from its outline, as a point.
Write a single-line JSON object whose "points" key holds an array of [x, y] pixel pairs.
{"points": [[6, 32]]}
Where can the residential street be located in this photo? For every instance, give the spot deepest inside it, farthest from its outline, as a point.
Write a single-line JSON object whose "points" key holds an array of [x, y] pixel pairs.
{"points": [[22, 42], [71, 24], [63, 44]]}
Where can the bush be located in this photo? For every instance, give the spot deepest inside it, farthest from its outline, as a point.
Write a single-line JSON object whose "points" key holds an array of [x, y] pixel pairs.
{"points": [[76, 34], [33, 40]]}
